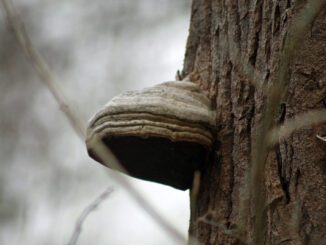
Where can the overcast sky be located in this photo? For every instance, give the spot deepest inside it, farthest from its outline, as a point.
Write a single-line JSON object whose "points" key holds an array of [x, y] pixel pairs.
{"points": [[97, 49]]}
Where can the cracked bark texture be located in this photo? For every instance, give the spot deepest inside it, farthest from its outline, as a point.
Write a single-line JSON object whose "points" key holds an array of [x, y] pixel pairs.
{"points": [[234, 45]]}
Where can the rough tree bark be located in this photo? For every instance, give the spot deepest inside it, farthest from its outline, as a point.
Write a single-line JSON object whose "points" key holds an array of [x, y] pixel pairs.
{"points": [[233, 46]]}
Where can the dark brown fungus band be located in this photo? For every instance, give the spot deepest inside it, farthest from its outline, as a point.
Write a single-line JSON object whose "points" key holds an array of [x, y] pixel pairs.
{"points": [[161, 134]]}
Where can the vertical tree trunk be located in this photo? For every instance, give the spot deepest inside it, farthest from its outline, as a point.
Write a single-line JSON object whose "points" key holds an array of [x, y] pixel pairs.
{"points": [[236, 47]]}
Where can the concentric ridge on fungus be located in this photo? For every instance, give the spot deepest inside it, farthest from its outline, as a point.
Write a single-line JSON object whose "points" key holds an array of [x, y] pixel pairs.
{"points": [[174, 110], [177, 112]]}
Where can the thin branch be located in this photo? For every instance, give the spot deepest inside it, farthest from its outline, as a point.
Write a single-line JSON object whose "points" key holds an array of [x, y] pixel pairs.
{"points": [[300, 121], [194, 191], [86, 212], [321, 138], [102, 151], [229, 232], [42, 68]]}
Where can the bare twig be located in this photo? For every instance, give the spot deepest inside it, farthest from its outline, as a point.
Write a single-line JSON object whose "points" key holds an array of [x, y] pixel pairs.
{"points": [[90, 208], [42, 68], [300, 121], [321, 138], [229, 232], [103, 152], [194, 191]]}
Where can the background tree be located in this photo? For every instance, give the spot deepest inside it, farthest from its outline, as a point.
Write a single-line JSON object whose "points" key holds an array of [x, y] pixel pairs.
{"points": [[259, 75]]}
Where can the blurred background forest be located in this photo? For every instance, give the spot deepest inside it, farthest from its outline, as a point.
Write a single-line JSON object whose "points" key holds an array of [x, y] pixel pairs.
{"points": [[98, 49]]}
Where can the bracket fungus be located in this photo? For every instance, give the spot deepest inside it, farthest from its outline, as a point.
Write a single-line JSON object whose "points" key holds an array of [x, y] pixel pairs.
{"points": [[162, 134]]}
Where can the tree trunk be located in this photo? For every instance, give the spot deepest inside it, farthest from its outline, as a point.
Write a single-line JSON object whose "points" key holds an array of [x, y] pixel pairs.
{"points": [[241, 49]]}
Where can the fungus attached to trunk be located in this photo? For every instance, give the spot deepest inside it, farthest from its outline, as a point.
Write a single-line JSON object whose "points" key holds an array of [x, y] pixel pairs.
{"points": [[161, 134]]}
